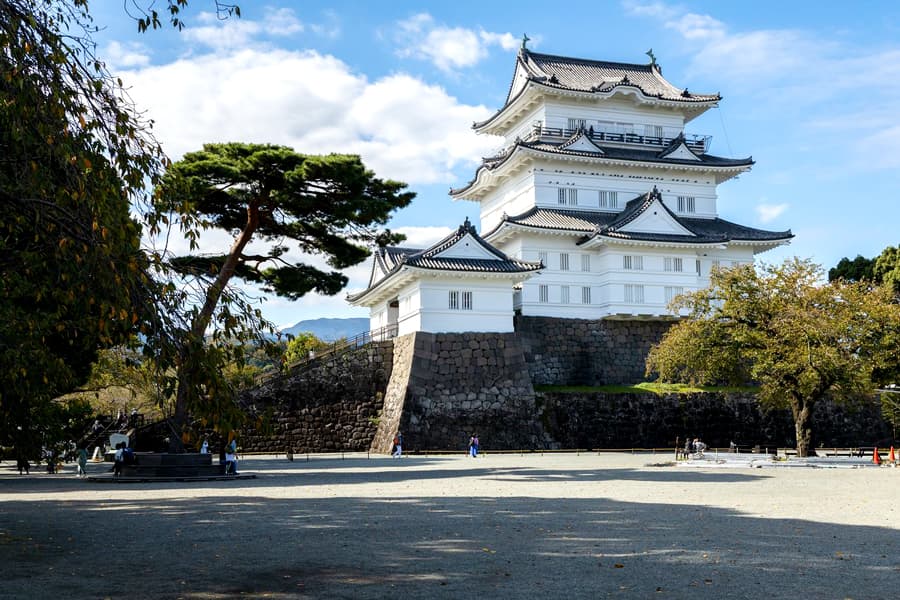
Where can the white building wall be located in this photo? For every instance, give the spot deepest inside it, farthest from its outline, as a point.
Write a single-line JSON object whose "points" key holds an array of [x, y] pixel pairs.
{"points": [[425, 306], [628, 183], [604, 113], [513, 197], [607, 278]]}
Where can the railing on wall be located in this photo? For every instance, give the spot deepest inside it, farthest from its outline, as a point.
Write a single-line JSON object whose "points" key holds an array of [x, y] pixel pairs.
{"points": [[334, 350], [697, 143]]}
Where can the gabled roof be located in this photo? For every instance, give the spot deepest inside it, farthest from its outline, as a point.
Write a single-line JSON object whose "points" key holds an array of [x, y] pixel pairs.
{"points": [[669, 157], [597, 228], [462, 252], [595, 77]]}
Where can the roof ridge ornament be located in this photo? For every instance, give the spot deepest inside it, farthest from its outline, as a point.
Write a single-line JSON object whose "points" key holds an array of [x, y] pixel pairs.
{"points": [[652, 57], [525, 40]]}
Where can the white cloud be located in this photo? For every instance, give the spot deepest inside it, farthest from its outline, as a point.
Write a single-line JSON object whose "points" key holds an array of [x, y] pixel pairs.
{"points": [[423, 237], [402, 127], [766, 213], [232, 33], [448, 48], [125, 56]]}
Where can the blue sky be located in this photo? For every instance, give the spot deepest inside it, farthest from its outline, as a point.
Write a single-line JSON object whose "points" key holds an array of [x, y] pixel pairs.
{"points": [[811, 90]]}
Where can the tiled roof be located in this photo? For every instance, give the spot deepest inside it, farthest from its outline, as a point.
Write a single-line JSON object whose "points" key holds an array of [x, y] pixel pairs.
{"points": [[633, 154], [602, 76], [707, 231], [393, 258], [614, 153]]}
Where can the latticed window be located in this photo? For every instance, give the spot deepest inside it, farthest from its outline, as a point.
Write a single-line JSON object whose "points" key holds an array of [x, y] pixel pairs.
{"points": [[542, 256], [608, 199], [585, 295], [671, 291], [576, 123], [673, 264], [634, 293], [543, 294], [586, 262], [467, 300], [687, 204], [567, 196], [564, 294], [563, 261], [633, 263], [460, 300]]}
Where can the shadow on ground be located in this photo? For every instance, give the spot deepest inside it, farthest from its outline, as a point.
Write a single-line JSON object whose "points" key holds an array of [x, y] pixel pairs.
{"points": [[242, 544]]}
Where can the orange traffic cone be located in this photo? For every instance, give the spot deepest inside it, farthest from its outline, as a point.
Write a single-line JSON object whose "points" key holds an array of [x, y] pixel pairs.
{"points": [[892, 455], [875, 458]]}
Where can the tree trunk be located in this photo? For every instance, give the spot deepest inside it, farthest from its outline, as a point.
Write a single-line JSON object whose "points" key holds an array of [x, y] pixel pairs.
{"points": [[802, 411], [204, 317]]}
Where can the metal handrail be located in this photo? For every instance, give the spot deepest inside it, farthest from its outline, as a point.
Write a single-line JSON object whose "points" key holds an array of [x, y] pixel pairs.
{"points": [[338, 347], [693, 141]]}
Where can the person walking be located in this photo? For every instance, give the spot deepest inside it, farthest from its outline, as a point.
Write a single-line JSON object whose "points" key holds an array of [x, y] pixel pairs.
{"points": [[473, 445], [82, 462]]}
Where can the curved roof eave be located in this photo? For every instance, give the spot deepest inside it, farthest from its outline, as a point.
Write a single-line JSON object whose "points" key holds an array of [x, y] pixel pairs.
{"points": [[496, 123], [461, 193]]}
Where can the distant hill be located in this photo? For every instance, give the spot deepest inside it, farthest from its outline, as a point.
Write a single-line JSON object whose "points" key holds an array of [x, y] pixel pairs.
{"points": [[329, 330]]}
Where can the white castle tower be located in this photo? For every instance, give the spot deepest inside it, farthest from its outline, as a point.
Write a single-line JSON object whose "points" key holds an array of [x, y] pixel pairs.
{"points": [[599, 183]]}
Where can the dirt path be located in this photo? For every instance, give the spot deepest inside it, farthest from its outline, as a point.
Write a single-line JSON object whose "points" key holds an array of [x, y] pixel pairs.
{"points": [[551, 526]]}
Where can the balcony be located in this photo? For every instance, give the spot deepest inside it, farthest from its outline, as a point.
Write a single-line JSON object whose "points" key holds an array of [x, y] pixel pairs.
{"points": [[697, 143]]}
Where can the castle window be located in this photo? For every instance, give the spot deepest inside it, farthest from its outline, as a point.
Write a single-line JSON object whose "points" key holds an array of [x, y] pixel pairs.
{"points": [[672, 291], [585, 295], [673, 264], [564, 294], [563, 261], [634, 293], [576, 123], [633, 263], [460, 300], [686, 204], [697, 266], [609, 199], [543, 294], [567, 196], [542, 256], [467, 300], [653, 131], [586, 262], [715, 263]]}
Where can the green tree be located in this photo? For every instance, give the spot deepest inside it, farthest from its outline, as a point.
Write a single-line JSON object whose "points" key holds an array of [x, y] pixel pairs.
{"points": [[74, 157], [858, 269], [887, 267], [781, 328], [283, 201], [300, 347]]}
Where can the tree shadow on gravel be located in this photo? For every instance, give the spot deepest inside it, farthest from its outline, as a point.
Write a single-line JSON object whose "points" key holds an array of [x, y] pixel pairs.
{"points": [[242, 545]]}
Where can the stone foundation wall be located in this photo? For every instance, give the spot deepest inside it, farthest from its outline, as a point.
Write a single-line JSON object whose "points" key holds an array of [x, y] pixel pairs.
{"points": [[459, 384], [598, 420], [333, 404], [586, 352]]}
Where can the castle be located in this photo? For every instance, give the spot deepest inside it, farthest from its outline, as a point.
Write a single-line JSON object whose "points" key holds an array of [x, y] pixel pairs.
{"points": [[599, 206]]}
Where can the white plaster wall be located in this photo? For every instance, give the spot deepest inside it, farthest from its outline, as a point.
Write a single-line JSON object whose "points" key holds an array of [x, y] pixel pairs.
{"points": [[628, 182], [525, 126], [558, 112], [513, 197], [492, 309], [607, 277]]}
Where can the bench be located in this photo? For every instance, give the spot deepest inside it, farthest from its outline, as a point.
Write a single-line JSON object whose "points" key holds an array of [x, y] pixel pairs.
{"points": [[151, 464]]}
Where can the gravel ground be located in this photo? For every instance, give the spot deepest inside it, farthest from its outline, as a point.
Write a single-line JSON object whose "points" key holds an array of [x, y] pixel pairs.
{"points": [[500, 526]]}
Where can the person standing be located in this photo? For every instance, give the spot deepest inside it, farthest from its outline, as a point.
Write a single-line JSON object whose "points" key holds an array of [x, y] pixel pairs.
{"points": [[398, 445], [473, 445], [204, 447]]}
